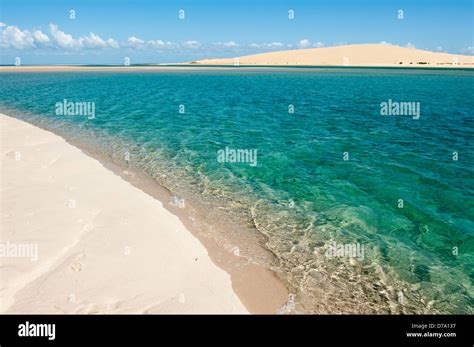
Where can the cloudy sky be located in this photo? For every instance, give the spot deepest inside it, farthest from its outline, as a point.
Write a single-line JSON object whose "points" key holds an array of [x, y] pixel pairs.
{"points": [[147, 31]]}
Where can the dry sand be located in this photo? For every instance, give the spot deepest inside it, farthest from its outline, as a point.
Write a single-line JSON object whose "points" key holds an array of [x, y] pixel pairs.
{"points": [[351, 55], [104, 246]]}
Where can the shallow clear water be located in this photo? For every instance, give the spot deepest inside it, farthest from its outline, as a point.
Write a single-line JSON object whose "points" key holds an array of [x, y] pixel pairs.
{"points": [[302, 195]]}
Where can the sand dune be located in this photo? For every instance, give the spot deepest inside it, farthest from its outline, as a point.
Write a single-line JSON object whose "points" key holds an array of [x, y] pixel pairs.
{"points": [[351, 55]]}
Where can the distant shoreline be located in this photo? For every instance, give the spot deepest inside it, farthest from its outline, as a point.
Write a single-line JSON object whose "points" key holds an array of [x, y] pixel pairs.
{"points": [[204, 67]]}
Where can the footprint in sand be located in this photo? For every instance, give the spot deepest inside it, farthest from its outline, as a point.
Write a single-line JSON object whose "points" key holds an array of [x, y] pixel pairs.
{"points": [[76, 267]]}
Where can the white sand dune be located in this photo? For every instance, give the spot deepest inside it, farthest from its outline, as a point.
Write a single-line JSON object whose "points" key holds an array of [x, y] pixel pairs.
{"points": [[351, 55], [103, 245]]}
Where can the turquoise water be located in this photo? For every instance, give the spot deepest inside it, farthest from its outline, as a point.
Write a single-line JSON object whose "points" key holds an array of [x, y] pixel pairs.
{"points": [[302, 195]]}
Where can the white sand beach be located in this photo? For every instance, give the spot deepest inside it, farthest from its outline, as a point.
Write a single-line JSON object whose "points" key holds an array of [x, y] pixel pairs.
{"points": [[351, 55], [103, 245]]}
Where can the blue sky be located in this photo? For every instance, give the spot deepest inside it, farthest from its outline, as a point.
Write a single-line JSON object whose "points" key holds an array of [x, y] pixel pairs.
{"points": [[146, 31]]}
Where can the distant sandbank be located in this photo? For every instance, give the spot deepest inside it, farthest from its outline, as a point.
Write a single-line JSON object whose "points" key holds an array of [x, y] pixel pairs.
{"points": [[376, 55]]}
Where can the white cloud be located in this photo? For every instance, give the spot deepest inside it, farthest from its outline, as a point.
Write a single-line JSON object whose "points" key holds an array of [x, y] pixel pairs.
{"points": [[112, 43], [275, 45], [40, 37], [156, 43], [135, 42], [62, 39], [230, 44], [410, 45], [191, 44], [224, 45], [318, 44], [13, 37], [304, 43], [384, 43], [265, 45], [2, 25], [159, 44], [92, 41]]}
